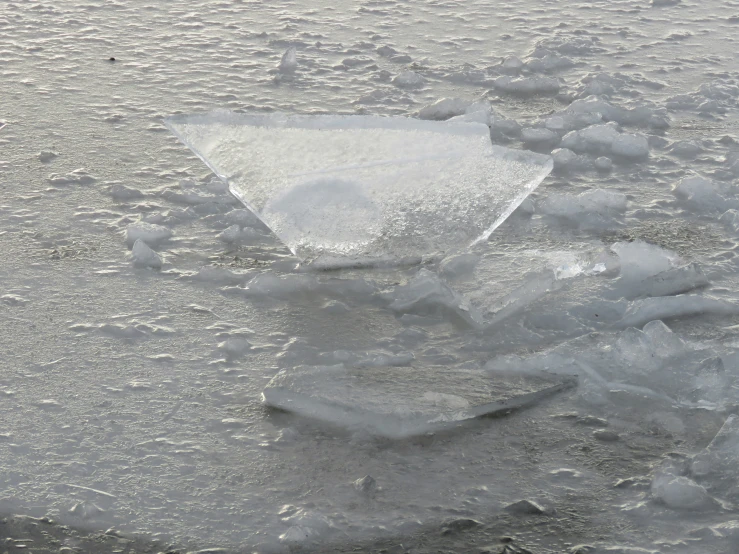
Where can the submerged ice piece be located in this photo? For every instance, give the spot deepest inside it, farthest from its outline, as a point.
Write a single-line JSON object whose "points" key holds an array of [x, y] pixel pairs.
{"points": [[399, 402], [353, 190]]}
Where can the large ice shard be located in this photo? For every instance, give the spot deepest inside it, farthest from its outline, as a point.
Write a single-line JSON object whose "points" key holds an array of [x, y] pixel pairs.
{"points": [[344, 190], [400, 402]]}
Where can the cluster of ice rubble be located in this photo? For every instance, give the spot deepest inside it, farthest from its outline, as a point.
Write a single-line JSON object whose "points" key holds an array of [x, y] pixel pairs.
{"points": [[596, 313]]}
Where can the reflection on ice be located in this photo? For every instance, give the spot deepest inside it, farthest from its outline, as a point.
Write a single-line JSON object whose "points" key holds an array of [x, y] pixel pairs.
{"points": [[347, 189]]}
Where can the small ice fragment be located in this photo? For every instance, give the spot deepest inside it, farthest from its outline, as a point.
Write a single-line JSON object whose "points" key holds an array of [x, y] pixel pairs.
{"points": [[385, 360], [702, 194], [538, 135], [459, 525], [719, 458], [512, 64], [336, 307], [596, 269], [120, 191], [86, 510], [230, 235], [296, 534], [291, 286], [143, 256], [649, 309], [401, 58], [477, 112], [680, 493], [409, 79], [664, 342], [304, 525], [672, 281], [77, 177], [549, 63], [234, 347], [564, 158], [630, 146], [289, 61], [343, 190], [150, 233], [730, 218], [459, 266], [595, 139], [524, 508], [386, 51], [444, 109], [426, 293], [356, 61], [527, 86], [366, 486], [602, 163], [640, 259], [603, 203], [45, 156], [555, 123], [597, 105], [517, 300], [686, 149]]}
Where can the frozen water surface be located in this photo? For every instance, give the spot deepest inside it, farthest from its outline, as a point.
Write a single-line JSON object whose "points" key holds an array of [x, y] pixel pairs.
{"points": [[144, 310], [352, 189]]}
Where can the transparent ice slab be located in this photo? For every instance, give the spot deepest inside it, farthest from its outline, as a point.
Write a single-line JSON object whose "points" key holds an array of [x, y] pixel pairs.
{"points": [[400, 402], [344, 190]]}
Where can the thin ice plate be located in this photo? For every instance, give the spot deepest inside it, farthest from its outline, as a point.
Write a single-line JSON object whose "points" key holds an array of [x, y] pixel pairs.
{"points": [[344, 190], [399, 402]]}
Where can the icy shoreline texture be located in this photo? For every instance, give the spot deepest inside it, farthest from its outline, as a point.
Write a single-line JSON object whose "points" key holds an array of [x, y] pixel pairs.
{"points": [[132, 371]]}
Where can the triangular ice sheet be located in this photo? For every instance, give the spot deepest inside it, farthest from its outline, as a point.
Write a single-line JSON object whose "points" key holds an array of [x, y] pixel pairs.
{"points": [[340, 190]]}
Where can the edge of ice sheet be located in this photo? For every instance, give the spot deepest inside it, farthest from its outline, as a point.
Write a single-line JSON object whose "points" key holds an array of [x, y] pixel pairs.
{"points": [[541, 166], [278, 394], [517, 155], [321, 121]]}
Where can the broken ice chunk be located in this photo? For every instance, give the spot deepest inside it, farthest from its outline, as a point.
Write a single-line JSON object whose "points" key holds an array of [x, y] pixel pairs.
{"points": [[643, 311], [680, 493], [427, 293], [150, 233], [397, 402], [143, 256], [347, 189], [720, 457], [640, 259], [408, 79], [289, 61]]}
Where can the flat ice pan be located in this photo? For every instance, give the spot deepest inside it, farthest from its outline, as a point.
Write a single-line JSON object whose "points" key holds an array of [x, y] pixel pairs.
{"points": [[401, 402], [344, 190]]}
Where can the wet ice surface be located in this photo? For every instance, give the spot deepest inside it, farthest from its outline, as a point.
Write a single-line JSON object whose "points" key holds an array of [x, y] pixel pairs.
{"points": [[351, 190], [130, 395]]}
